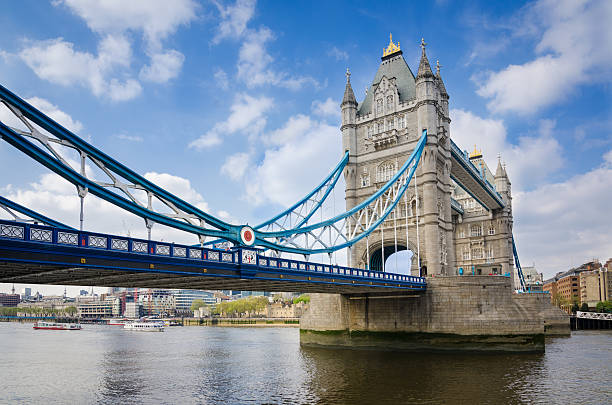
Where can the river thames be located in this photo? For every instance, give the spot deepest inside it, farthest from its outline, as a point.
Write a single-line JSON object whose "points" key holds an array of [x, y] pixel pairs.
{"points": [[216, 365]]}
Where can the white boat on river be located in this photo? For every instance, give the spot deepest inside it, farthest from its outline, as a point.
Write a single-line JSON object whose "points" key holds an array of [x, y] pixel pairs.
{"points": [[144, 326]]}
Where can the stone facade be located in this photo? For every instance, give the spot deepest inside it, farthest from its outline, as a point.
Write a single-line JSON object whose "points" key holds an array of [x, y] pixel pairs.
{"points": [[380, 133]]}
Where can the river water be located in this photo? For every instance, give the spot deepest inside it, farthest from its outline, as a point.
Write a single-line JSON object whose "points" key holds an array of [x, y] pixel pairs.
{"points": [[216, 365]]}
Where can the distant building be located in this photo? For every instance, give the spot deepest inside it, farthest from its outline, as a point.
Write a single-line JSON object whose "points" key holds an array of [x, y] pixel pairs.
{"points": [[565, 287], [157, 302], [26, 293], [285, 310], [184, 298], [533, 279], [83, 292], [133, 310], [108, 307], [9, 300]]}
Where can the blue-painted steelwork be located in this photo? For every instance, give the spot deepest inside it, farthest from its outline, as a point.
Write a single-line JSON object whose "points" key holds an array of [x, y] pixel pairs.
{"points": [[32, 214], [328, 184], [456, 206], [407, 166], [41, 245], [477, 175], [523, 286]]}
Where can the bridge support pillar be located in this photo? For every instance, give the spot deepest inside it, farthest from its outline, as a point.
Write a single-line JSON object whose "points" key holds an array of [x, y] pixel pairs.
{"points": [[455, 313]]}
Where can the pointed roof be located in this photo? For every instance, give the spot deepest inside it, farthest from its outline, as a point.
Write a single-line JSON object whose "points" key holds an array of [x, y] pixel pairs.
{"points": [[392, 66], [424, 67], [439, 80], [349, 96], [500, 171]]}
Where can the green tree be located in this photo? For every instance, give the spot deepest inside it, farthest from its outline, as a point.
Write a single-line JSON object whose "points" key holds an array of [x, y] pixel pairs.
{"points": [[305, 298], [584, 307], [71, 310], [197, 304], [604, 306], [575, 307]]}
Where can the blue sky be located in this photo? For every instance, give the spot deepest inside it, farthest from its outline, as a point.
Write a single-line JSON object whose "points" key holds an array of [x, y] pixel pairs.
{"points": [[235, 105]]}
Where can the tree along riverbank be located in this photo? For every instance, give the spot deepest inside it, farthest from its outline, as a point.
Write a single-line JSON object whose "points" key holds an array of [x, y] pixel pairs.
{"points": [[243, 322]]}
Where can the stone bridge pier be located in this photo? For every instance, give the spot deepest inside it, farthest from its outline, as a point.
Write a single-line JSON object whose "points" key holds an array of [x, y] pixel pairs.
{"points": [[454, 313]]}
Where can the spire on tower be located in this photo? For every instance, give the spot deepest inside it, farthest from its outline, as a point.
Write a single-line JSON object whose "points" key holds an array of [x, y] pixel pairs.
{"points": [[349, 96], [424, 67]]}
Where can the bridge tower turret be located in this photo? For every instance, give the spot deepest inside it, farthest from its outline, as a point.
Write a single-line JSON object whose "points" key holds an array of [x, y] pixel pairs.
{"points": [[504, 216], [434, 170], [349, 141]]}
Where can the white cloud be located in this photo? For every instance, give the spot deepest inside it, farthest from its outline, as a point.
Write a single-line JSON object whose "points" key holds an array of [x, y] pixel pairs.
{"points": [[573, 47], [246, 113], [328, 107], [296, 126], [236, 165], [208, 140], [107, 73], [337, 54], [56, 60], [608, 158], [221, 78], [155, 18], [568, 223], [254, 64], [164, 66], [131, 138], [295, 163], [234, 19], [530, 161]]}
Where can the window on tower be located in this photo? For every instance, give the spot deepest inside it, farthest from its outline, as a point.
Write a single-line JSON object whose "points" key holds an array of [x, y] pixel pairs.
{"points": [[389, 103], [381, 127], [476, 230], [371, 130], [385, 171], [401, 122], [391, 123], [379, 106]]}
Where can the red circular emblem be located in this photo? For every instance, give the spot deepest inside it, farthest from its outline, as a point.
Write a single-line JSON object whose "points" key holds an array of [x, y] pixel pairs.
{"points": [[247, 235]]}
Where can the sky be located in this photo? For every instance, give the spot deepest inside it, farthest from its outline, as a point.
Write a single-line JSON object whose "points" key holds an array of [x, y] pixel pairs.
{"points": [[234, 105]]}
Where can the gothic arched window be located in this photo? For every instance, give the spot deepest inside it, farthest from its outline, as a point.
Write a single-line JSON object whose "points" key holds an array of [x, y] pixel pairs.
{"points": [[389, 102], [379, 106], [385, 171]]}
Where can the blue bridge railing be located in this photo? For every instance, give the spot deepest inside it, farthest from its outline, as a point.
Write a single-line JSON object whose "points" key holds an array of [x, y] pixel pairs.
{"points": [[41, 234]]}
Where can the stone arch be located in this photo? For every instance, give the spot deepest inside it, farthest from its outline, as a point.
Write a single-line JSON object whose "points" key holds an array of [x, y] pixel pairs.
{"points": [[389, 249]]}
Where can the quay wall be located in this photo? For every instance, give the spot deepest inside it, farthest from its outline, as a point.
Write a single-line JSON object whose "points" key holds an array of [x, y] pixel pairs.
{"points": [[454, 313]]}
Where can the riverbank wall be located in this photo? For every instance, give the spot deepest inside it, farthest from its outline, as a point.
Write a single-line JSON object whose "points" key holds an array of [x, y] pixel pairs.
{"points": [[454, 313]]}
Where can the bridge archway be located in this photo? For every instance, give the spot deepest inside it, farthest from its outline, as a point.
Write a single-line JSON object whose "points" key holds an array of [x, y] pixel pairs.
{"points": [[376, 254]]}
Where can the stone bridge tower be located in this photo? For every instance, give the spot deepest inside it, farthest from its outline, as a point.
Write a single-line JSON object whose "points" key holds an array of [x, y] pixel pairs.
{"points": [[380, 133]]}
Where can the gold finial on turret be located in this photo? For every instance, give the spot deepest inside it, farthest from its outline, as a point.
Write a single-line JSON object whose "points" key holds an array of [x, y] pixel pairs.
{"points": [[391, 48], [476, 154]]}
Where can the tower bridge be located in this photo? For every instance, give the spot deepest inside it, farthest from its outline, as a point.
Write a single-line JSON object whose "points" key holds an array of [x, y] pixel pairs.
{"points": [[408, 186]]}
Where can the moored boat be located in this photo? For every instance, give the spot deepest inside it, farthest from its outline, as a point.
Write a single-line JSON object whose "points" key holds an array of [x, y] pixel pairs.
{"points": [[117, 321], [56, 326], [144, 326]]}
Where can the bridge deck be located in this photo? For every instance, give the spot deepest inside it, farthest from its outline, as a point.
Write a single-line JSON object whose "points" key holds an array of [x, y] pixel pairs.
{"points": [[40, 254]]}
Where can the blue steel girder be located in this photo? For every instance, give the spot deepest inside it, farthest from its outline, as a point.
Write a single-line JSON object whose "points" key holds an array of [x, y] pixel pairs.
{"points": [[472, 181], [48, 255], [346, 229], [53, 137]]}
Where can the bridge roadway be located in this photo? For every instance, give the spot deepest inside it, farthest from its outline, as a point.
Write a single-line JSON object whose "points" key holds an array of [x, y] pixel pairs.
{"points": [[39, 254]]}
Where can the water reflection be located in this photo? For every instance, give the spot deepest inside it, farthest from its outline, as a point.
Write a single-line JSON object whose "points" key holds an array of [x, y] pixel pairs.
{"points": [[248, 365]]}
